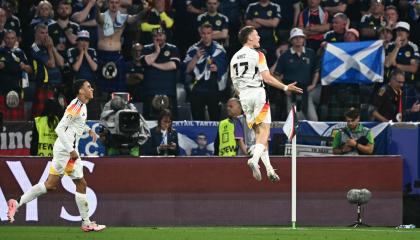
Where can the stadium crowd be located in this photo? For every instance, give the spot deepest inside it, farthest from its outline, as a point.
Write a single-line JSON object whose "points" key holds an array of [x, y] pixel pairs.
{"points": [[181, 49]]}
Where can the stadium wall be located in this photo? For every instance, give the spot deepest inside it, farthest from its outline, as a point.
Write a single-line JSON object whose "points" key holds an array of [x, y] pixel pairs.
{"points": [[209, 191]]}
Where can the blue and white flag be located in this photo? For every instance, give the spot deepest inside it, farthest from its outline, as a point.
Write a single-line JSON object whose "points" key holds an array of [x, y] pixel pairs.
{"points": [[353, 62]]}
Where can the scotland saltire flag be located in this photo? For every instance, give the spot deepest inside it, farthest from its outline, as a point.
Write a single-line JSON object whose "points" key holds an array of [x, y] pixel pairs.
{"points": [[353, 62]]}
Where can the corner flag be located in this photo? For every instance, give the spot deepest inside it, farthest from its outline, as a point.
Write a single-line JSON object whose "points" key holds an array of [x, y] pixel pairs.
{"points": [[290, 126]]}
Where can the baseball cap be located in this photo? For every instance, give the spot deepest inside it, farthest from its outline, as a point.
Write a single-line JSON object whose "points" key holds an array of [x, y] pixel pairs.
{"points": [[403, 25], [83, 35], [296, 32]]}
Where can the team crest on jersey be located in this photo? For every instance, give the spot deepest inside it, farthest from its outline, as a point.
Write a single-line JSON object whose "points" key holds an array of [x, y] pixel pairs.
{"points": [[218, 23], [166, 53], [407, 54], [109, 70], [270, 13], [255, 13]]}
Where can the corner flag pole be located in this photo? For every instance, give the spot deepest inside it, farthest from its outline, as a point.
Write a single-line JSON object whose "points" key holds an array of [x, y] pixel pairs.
{"points": [[294, 182]]}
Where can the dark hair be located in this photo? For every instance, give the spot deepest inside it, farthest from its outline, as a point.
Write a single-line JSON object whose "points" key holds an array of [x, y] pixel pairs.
{"points": [[64, 2], [162, 114], [244, 34], [201, 134], [352, 113], [77, 85], [54, 111]]}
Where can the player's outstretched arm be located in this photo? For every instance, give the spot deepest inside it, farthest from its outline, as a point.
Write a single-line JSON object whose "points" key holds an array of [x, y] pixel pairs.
{"points": [[272, 81]]}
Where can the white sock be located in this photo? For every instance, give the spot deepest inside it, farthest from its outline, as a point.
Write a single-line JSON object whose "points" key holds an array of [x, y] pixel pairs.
{"points": [[35, 191], [258, 151], [266, 160], [82, 204]]}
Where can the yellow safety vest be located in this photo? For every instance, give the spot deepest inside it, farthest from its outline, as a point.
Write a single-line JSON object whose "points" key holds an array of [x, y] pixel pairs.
{"points": [[46, 136], [227, 142]]}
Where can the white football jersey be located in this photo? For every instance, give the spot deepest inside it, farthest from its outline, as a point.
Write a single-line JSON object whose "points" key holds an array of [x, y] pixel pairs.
{"points": [[246, 67], [71, 126]]}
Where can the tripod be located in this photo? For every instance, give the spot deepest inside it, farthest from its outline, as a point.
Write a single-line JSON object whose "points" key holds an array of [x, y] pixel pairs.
{"points": [[358, 222]]}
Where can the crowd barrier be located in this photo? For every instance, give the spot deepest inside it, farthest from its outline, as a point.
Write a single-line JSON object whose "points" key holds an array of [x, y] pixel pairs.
{"points": [[209, 191], [397, 139]]}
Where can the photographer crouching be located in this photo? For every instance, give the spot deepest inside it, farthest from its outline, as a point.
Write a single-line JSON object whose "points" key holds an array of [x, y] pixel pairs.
{"points": [[354, 139], [124, 130]]}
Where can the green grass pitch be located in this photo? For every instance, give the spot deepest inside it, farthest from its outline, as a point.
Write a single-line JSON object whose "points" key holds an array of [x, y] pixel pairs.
{"points": [[204, 233]]}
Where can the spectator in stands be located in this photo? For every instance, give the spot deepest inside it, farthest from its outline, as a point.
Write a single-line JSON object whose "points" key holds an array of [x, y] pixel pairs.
{"points": [[342, 96], [354, 138], [44, 14], [289, 10], [193, 9], [218, 21], [314, 22], [164, 139], [63, 32], [206, 61], [339, 27], [371, 23], [235, 21], [386, 35], [334, 6], [46, 64], [404, 55], [230, 134], [84, 13], [12, 22], [351, 35], [391, 16], [135, 74], [111, 77], [388, 101], [2, 25], [82, 58], [84, 64], [201, 149], [157, 17], [13, 63], [265, 17], [161, 61], [43, 131], [300, 64]]}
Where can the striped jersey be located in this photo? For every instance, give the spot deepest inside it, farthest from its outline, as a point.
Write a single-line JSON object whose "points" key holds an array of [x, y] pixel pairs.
{"points": [[71, 126], [246, 67]]}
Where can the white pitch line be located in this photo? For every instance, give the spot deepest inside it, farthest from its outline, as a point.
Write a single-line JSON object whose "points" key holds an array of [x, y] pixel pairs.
{"points": [[330, 229]]}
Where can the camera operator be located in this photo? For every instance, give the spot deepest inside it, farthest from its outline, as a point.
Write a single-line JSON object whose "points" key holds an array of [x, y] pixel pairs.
{"points": [[354, 139], [124, 128]]}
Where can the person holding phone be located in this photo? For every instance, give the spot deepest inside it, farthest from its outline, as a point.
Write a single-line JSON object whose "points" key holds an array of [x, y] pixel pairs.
{"points": [[164, 139]]}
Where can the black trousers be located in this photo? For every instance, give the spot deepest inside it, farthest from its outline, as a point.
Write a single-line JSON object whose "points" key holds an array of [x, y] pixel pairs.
{"points": [[199, 101]]}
